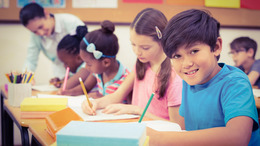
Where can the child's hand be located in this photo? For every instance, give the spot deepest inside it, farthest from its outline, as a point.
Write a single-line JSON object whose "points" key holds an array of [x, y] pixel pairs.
{"points": [[119, 109], [66, 92], [87, 109], [56, 82]]}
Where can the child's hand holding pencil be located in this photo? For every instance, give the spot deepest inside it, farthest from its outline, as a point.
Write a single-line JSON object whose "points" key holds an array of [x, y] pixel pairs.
{"points": [[87, 106], [56, 82]]}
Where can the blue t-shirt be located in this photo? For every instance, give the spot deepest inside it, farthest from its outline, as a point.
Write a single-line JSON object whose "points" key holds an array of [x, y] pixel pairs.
{"points": [[227, 95]]}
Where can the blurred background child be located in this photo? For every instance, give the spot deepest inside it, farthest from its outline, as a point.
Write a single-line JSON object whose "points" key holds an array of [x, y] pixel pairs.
{"points": [[243, 51], [68, 52]]}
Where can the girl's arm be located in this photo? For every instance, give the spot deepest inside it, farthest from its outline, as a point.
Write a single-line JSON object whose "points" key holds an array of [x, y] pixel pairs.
{"points": [[118, 96], [237, 132], [90, 82], [175, 116], [74, 80]]}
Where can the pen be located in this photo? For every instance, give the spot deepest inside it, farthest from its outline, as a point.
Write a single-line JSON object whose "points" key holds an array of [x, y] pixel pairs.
{"points": [[146, 107], [66, 78], [85, 92]]}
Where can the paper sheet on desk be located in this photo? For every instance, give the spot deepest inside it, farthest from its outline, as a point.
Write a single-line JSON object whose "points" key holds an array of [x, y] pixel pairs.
{"points": [[160, 125], [45, 88], [74, 102], [256, 92]]}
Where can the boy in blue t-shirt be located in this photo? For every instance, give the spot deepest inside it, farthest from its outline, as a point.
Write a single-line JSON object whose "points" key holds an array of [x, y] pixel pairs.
{"points": [[243, 50], [218, 106]]}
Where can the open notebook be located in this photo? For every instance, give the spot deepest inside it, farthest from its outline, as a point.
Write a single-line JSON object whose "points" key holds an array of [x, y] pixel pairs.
{"points": [[74, 102]]}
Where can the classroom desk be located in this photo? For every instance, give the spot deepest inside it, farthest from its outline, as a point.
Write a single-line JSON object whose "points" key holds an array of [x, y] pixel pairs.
{"points": [[11, 115], [37, 127]]}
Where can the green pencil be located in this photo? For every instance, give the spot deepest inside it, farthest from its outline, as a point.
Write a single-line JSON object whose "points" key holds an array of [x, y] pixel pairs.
{"points": [[146, 107]]}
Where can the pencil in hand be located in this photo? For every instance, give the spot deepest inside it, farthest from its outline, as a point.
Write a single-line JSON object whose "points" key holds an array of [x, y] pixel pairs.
{"points": [[85, 92]]}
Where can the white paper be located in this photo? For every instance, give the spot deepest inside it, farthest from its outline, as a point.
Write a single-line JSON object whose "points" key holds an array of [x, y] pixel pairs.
{"points": [[256, 92], [45, 88], [160, 125], [74, 102]]}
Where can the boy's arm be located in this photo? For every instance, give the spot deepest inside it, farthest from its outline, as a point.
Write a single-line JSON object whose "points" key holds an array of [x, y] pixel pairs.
{"points": [[237, 132], [253, 76]]}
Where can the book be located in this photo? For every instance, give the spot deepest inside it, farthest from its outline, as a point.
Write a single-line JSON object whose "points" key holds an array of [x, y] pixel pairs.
{"points": [[43, 104], [146, 143], [100, 134], [34, 115], [59, 119]]}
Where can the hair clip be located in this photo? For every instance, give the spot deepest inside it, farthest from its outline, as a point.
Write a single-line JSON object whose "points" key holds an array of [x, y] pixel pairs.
{"points": [[91, 48], [159, 33]]}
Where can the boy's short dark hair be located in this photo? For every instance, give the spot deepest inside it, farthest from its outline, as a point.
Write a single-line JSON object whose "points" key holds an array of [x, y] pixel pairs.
{"points": [[244, 43], [31, 11], [189, 27]]}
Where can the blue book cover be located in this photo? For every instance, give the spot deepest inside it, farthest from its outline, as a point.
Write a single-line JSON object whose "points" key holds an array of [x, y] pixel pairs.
{"points": [[100, 134]]}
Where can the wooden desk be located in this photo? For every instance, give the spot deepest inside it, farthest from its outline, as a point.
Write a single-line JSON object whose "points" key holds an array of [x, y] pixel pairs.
{"points": [[37, 127], [11, 115]]}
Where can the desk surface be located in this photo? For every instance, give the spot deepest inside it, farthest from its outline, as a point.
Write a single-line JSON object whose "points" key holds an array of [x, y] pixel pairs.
{"points": [[38, 126]]}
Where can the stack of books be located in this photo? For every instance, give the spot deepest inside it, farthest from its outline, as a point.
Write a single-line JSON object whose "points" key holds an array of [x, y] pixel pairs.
{"points": [[34, 108], [100, 134]]}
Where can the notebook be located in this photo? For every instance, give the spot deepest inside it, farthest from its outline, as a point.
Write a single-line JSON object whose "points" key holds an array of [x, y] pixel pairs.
{"points": [[100, 134], [74, 102]]}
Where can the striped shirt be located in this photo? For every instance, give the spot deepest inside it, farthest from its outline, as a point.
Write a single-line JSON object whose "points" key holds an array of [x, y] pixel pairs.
{"points": [[112, 85]]}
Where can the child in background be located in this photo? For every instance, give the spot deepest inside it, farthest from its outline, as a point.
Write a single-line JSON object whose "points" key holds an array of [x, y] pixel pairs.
{"points": [[218, 105], [243, 50], [68, 52], [47, 31], [98, 49], [152, 74]]}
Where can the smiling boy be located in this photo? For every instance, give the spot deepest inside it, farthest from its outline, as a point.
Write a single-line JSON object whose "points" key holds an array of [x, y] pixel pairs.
{"points": [[218, 106]]}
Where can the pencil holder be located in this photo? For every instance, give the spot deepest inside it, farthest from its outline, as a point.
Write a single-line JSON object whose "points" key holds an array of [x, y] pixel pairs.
{"points": [[17, 92]]}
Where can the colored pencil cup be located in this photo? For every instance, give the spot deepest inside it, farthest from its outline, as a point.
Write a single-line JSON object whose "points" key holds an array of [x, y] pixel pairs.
{"points": [[17, 92]]}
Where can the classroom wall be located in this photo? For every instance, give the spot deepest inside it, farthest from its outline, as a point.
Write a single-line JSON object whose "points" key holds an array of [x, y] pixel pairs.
{"points": [[14, 40]]}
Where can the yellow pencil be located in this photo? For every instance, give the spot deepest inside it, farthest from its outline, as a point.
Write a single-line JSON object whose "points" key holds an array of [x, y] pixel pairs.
{"points": [[85, 92], [31, 78]]}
